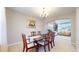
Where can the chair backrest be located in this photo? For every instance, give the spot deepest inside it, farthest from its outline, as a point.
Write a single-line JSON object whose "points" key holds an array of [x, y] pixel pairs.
{"points": [[24, 40], [39, 33], [51, 35], [47, 37], [33, 33]]}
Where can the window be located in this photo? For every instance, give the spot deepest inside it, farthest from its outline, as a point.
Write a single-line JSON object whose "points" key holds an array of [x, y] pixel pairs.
{"points": [[64, 26]]}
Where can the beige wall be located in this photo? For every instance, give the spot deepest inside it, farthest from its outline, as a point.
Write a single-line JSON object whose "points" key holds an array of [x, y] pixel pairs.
{"points": [[3, 34], [77, 25], [77, 29], [16, 25]]}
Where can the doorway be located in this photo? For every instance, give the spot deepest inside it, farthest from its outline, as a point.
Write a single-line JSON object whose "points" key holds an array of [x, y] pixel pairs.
{"points": [[62, 28]]}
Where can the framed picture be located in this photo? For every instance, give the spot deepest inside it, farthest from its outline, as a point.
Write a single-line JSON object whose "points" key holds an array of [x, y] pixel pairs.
{"points": [[31, 23]]}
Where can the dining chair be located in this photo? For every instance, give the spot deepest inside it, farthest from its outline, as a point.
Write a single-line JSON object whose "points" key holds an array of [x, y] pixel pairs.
{"points": [[26, 44], [39, 33], [52, 38], [33, 33], [44, 42]]}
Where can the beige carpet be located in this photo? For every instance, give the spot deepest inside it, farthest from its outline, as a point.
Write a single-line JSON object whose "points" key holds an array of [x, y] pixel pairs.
{"points": [[62, 44]]}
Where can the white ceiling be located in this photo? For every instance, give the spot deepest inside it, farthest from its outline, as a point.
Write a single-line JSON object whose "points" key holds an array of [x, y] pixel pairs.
{"points": [[33, 11]]}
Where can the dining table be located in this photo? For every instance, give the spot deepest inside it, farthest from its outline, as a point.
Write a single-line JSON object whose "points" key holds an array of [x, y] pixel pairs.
{"points": [[35, 40]]}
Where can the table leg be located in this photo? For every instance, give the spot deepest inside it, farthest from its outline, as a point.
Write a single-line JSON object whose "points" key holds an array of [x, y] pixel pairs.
{"points": [[37, 47]]}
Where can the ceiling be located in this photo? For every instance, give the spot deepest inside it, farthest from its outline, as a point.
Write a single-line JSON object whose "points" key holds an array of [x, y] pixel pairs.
{"points": [[35, 11]]}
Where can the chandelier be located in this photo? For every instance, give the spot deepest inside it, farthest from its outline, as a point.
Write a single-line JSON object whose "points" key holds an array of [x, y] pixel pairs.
{"points": [[44, 13]]}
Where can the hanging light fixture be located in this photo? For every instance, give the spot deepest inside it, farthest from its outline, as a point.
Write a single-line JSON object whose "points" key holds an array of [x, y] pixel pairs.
{"points": [[44, 13]]}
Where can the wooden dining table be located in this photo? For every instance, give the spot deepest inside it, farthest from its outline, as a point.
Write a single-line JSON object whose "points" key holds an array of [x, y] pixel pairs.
{"points": [[35, 39]]}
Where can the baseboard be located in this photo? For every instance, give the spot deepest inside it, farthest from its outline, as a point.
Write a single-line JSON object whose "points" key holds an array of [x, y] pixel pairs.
{"points": [[0, 47], [3, 48], [76, 43], [14, 44], [73, 43]]}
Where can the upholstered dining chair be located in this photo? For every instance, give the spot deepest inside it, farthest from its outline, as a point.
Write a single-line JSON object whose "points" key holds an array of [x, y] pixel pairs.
{"points": [[33, 33], [52, 38], [44, 42], [26, 44]]}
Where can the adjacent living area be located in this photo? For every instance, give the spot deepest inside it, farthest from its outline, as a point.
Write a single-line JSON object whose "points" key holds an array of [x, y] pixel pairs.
{"points": [[39, 29]]}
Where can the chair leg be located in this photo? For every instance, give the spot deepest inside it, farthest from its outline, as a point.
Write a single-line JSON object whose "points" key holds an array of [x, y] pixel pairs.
{"points": [[26, 50], [51, 45], [48, 47], [23, 48], [44, 48], [37, 49]]}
